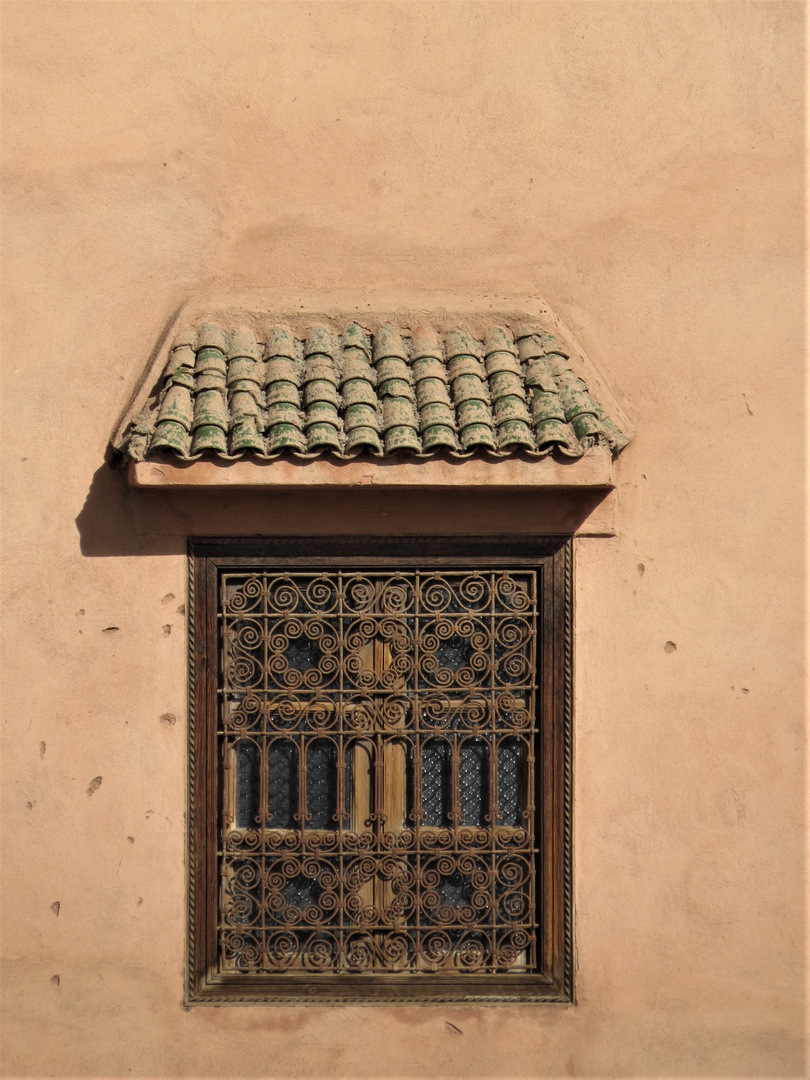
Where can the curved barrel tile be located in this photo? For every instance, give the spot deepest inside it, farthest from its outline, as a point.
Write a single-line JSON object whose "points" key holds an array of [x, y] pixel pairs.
{"points": [[395, 391], [282, 375], [506, 386], [321, 399], [211, 421], [361, 413]]}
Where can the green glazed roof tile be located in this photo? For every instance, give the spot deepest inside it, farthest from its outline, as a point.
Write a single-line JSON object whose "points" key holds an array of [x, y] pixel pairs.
{"points": [[281, 342], [319, 342], [431, 390], [321, 390], [285, 436], [515, 433], [392, 367], [181, 357], [243, 403], [177, 406], [546, 406], [212, 418], [553, 433], [283, 370], [170, 435], [209, 437], [355, 337], [363, 438], [210, 408], [507, 388], [437, 423], [322, 436], [470, 391], [322, 421], [362, 411], [476, 436], [358, 391], [388, 342], [211, 336], [246, 435], [243, 345], [438, 436], [256, 387], [400, 421]]}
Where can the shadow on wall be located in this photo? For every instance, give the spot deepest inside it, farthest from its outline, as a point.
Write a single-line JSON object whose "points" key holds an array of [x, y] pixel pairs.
{"points": [[119, 520]]}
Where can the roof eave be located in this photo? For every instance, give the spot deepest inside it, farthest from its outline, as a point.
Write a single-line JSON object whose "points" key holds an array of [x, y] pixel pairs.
{"points": [[594, 471]]}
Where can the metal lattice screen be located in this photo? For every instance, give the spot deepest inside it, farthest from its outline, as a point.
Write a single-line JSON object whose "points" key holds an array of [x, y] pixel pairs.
{"points": [[377, 734]]}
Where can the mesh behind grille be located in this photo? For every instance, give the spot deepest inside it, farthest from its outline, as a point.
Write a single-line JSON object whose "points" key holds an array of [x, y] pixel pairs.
{"points": [[247, 785], [321, 785], [473, 781], [282, 784], [435, 782]]}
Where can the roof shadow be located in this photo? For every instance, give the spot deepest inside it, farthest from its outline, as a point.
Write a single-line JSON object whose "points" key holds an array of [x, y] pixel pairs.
{"points": [[118, 520]]}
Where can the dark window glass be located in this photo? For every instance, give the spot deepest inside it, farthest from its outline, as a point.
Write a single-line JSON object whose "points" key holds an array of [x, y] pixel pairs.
{"points": [[472, 782], [436, 782], [321, 785], [282, 784], [247, 785]]}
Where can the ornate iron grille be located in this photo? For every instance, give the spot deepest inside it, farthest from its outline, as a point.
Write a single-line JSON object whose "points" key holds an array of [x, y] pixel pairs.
{"points": [[377, 740], [380, 769]]}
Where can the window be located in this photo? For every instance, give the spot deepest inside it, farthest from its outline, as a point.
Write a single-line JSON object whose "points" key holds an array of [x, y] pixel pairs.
{"points": [[380, 770]]}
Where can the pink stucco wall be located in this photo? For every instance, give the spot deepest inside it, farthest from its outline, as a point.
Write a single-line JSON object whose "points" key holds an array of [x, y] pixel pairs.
{"points": [[639, 167]]}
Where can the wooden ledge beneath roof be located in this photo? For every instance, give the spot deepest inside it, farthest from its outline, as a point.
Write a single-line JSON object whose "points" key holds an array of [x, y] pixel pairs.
{"points": [[592, 471]]}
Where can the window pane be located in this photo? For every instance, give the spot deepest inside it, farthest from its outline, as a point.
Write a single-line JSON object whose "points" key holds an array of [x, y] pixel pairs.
{"points": [[246, 756], [510, 795], [321, 785], [473, 794], [436, 782], [282, 768]]}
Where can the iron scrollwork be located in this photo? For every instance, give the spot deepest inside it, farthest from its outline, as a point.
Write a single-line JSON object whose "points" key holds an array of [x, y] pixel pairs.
{"points": [[377, 736]]}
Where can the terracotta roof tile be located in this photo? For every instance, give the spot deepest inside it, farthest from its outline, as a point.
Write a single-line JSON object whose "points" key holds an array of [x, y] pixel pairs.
{"points": [[230, 390]]}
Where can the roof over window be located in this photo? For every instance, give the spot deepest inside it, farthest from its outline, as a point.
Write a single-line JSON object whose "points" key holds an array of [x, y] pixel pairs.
{"points": [[244, 386]]}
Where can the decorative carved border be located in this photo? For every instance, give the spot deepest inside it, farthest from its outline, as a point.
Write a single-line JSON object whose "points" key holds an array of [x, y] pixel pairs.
{"points": [[568, 774], [556, 984]]}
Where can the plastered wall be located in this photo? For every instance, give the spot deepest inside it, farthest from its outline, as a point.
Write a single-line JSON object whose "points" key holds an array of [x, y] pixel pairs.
{"points": [[638, 167]]}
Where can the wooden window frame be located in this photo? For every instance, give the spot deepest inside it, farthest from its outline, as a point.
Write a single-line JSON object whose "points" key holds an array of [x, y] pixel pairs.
{"points": [[553, 981]]}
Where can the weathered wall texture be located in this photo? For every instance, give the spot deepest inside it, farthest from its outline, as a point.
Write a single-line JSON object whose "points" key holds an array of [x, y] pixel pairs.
{"points": [[638, 166]]}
